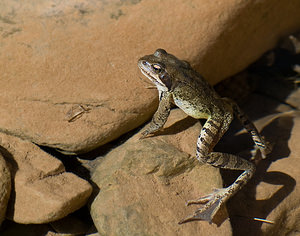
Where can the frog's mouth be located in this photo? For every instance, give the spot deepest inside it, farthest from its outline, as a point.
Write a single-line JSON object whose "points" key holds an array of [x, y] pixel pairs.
{"points": [[150, 76], [153, 79]]}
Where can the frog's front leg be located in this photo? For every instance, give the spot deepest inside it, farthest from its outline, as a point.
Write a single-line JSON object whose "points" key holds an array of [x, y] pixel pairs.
{"points": [[210, 134], [161, 115]]}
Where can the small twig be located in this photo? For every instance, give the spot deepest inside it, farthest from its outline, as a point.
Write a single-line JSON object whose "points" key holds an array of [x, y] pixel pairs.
{"points": [[258, 219], [76, 112], [264, 220]]}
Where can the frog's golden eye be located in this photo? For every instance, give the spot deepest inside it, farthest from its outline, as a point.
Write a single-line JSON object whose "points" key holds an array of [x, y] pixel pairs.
{"points": [[157, 68]]}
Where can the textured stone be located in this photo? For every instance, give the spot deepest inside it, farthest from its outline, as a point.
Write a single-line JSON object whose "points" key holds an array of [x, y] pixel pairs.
{"points": [[5, 187], [76, 60], [144, 185], [42, 190]]}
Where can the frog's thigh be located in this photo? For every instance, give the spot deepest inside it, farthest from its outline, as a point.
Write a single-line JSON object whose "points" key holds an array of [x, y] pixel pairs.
{"points": [[210, 134]]}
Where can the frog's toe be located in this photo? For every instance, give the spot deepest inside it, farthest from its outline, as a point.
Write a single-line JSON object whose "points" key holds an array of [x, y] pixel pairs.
{"points": [[202, 200], [144, 134], [262, 153], [210, 205]]}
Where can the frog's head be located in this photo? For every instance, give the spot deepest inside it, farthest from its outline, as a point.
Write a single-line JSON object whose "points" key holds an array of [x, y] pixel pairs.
{"points": [[161, 68]]}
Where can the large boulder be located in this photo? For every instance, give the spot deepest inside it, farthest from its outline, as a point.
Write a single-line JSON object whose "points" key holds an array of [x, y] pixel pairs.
{"points": [[144, 185], [68, 69]]}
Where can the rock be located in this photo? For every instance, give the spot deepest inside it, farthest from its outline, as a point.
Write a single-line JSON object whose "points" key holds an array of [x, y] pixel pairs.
{"points": [[144, 185], [5, 187], [42, 190], [70, 78]]}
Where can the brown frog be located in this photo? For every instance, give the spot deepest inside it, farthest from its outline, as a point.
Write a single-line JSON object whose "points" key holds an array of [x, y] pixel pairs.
{"points": [[177, 83]]}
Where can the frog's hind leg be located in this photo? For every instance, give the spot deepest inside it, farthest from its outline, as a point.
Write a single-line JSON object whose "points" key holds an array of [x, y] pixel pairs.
{"points": [[212, 202], [259, 141], [210, 134]]}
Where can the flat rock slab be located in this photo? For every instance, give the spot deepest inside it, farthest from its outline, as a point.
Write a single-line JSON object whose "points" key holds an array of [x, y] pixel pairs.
{"points": [[144, 185], [42, 190], [69, 78]]}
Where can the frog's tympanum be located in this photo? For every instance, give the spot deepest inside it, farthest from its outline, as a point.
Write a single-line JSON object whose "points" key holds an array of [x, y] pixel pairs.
{"points": [[179, 84]]}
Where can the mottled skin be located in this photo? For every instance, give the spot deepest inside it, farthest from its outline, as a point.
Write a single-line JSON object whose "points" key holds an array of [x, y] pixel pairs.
{"points": [[178, 83]]}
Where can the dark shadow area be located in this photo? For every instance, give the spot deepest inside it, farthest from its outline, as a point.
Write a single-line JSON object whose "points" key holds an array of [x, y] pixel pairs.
{"points": [[71, 163], [271, 79], [74, 163], [13, 167], [276, 81]]}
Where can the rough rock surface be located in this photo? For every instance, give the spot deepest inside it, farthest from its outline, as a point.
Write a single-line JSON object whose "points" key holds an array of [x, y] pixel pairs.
{"points": [[76, 60], [42, 190], [144, 185], [5, 187]]}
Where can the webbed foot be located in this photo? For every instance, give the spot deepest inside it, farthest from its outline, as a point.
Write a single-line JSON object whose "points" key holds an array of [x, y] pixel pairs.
{"points": [[211, 203], [144, 134], [263, 151]]}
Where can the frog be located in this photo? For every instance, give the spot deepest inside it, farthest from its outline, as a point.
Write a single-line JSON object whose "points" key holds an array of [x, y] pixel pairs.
{"points": [[180, 85]]}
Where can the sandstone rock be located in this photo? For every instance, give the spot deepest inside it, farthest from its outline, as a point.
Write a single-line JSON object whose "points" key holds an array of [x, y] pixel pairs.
{"points": [[5, 187], [76, 60], [144, 185], [43, 191]]}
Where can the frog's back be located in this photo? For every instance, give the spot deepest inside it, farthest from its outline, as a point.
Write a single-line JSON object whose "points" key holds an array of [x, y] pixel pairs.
{"points": [[194, 95]]}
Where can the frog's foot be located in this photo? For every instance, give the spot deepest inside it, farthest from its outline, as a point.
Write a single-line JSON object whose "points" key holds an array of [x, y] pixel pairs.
{"points": [[144, 134], [211, 203], [263, 151]]}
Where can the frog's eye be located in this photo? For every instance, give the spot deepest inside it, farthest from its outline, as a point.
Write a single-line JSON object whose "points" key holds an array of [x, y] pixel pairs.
{"points": [[157, 68]]}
